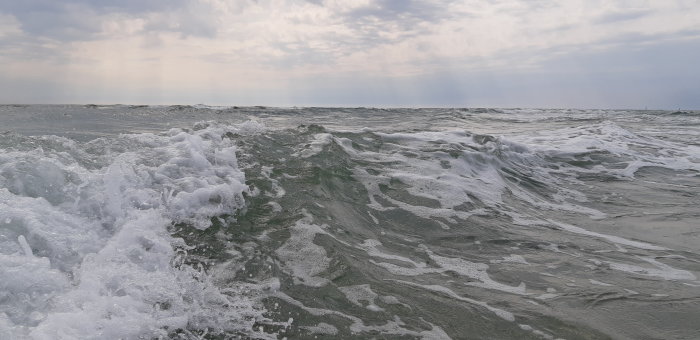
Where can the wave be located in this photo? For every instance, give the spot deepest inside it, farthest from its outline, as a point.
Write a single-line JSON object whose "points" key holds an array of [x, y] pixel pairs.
{"points": [[382, 217], [330, 230], [86, 250]]}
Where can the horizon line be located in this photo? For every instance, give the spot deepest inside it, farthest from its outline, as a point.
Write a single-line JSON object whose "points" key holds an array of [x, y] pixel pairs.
{"points": [[347, 106]]}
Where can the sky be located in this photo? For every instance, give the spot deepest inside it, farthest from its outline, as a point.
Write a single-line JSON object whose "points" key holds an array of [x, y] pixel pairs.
{"points": [[407, 53]]}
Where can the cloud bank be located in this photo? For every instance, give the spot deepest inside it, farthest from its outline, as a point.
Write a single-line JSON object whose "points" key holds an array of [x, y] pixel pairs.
{"points": [[583, 53]]}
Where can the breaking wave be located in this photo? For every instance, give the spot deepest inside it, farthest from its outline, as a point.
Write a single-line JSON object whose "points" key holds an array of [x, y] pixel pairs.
{"points": [[527, 224]]}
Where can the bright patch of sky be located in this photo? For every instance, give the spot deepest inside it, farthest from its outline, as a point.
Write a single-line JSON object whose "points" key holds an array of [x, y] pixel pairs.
{"points": [[503, 53]]}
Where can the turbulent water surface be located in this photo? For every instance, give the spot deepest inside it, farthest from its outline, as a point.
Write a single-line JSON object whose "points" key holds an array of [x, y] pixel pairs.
{"points": [[185, 222]]}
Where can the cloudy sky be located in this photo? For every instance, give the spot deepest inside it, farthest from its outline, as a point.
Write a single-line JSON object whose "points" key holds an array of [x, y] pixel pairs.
{"points": [[498, 53]]}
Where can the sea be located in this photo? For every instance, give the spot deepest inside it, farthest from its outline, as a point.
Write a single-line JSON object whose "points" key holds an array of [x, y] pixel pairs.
{"points": [[206, 222]]}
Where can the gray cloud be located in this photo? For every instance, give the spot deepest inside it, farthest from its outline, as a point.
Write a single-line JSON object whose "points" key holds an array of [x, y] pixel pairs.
{"points": [[129, 6], [379, 23], [615, 17], [405, 16], [624, 76], [527, 63], [52, 19], [390, 21], [82, 19], [406, 11], [635, 39]]}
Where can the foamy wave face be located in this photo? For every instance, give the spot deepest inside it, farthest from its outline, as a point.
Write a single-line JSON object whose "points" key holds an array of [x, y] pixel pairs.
{"points": [[450, 176], [607, 148], [85, 250]]}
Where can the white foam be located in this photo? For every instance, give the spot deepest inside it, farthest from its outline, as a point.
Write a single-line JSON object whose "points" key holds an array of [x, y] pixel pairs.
{"points": [[93, 257], [537, 332], [277, 190], [595, 282], [508, 316], [322, 328], [315, 146], [660, 270], [358, 293], [397, 327], [472, 270], [611, 238], [513, 258], [633, 150], [394, 327], [374, 219], [25, 246], [276, 207], [392, 300], [303, 259], [456, 169], [546, 296]]}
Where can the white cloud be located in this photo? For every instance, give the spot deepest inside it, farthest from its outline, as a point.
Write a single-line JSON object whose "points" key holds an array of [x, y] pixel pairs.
{"points": [[218, 45], [9, 26]]}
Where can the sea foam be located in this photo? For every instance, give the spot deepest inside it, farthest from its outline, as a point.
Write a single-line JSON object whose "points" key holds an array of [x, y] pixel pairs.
{"points": [[85, 251]]}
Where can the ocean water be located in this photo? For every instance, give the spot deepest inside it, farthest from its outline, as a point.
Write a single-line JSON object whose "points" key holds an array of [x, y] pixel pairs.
{"points": [[197, 222]]}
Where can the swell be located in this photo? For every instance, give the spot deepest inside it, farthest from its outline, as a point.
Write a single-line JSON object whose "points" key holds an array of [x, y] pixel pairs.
{"points": [[366, 230], [241, 230]]}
